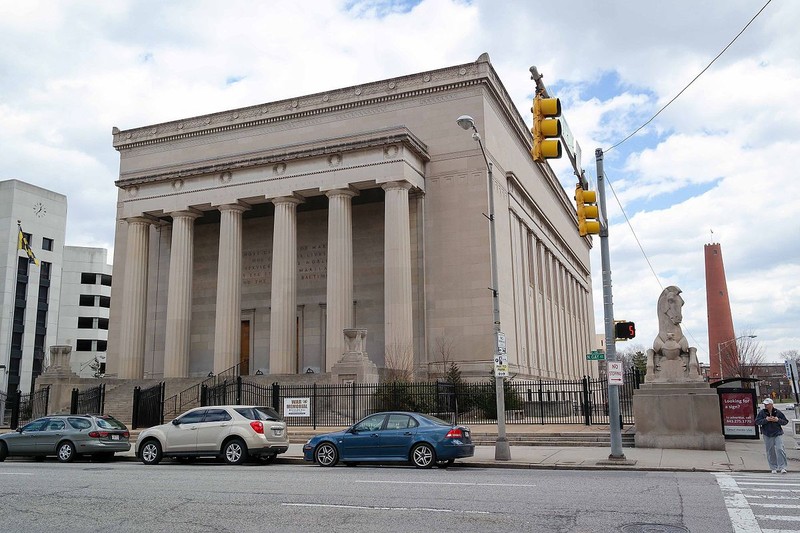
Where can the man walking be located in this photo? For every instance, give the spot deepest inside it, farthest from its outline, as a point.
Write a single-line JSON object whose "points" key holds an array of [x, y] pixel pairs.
{"points": [[771, 419]]}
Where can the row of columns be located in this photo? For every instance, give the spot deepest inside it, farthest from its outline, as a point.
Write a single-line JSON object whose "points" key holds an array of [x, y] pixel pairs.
{"points": [[398, 331]]}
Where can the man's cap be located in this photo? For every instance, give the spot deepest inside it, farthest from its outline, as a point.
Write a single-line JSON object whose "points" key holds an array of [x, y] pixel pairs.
{"points": [[768, 401]]}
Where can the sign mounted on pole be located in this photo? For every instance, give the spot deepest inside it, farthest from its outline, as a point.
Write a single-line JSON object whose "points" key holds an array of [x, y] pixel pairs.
{"points": [[615, 373], [595, 355]]}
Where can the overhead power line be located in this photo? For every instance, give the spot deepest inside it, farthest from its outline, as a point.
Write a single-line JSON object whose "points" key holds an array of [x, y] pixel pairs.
{"points": [[693, 80]]}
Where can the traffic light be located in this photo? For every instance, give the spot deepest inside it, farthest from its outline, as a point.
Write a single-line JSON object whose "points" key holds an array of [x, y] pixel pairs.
{"points": [[588, 215], [624, 330], [546, 128]]}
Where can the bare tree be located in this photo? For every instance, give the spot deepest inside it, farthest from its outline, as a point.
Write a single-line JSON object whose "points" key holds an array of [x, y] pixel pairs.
{"points": [[444, 354], [745, 361], [790, 355], [633, 355], [399, 363]]}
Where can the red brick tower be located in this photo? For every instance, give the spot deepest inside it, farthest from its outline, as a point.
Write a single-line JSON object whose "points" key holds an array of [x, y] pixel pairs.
{"points": [[721, 344]]}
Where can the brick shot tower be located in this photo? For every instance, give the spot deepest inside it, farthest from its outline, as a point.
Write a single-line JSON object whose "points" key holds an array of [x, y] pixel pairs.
{"points": [[722, 350]]}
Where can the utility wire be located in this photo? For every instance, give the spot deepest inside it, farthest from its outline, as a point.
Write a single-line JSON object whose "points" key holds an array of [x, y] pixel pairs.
{"points": [[641, 248], [693, 80]]}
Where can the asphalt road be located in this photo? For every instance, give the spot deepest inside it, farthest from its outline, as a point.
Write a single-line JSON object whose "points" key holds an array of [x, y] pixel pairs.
{"points": [[172, 497]]}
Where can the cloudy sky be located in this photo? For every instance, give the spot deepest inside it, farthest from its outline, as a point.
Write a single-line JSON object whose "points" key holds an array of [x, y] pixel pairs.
{"points": [[717, 159]]}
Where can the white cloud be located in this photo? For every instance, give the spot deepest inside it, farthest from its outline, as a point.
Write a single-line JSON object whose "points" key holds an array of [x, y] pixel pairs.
{"points": [[719, 158]]}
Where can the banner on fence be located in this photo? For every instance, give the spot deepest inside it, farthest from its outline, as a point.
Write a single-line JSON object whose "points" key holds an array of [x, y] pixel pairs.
{"points": [[296, 407]]}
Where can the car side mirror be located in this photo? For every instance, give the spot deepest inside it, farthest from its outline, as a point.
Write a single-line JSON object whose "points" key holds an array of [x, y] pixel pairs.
{"points": [[354, 431], [175, 422], [19, 430]]}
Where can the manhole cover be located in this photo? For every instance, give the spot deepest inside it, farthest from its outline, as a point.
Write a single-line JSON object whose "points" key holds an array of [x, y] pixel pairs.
{"points": [[653, 528]]}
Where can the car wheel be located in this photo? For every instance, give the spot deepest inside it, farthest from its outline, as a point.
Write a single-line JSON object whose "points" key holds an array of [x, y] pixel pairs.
{"points": [[423, 456], [326, 454], [3, 452], [150, 452], [235, 452], [66, 452], [445, 463]]}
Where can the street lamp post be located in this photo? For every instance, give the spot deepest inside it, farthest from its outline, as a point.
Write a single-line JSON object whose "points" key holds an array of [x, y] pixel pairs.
{"points": [[502, 452], [719, 351]]}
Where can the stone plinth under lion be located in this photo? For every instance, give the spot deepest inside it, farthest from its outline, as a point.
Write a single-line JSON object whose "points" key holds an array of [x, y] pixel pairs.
{"points": [[675, 408]]}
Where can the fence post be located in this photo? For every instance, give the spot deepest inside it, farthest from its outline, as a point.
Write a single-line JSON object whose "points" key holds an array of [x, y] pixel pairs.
{"points": [[15, 407], [455, 401], [238, 390], [161, 403], [102, 398], [354, 403], [541, 403], [314, 406], [203, 395], [276, 396], [587, 404], [73, 402], [46, 399], [135, 415]]}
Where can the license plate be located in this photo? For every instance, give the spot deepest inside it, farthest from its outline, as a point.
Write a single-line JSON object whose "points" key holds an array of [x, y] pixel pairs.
{"points": [[114, 437], [466, 434]]}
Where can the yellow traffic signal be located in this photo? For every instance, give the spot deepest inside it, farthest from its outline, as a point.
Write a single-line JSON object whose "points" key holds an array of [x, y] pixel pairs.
{"points": [[545, 127], [588, 215]]}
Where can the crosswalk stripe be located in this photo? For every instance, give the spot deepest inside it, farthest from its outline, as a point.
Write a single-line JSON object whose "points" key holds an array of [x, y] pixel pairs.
{"points": [[775, 505], [779, 518], [742, 517]]}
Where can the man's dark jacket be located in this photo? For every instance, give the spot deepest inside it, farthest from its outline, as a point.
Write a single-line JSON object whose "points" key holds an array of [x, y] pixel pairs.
{"points": [[771, 429]]}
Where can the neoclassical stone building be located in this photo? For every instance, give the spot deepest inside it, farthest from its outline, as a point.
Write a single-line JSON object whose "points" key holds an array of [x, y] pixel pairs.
{"points": [[261, 233]]}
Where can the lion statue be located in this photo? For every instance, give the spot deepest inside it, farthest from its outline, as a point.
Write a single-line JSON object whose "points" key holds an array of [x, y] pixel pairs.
{"points": [[671, 358]]}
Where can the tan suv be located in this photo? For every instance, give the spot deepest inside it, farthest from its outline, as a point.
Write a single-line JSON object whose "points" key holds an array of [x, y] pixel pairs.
{"points": [[232, 432]]}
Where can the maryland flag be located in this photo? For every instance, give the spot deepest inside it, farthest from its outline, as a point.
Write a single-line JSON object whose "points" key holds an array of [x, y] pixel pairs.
{"points": [[22, 244]]}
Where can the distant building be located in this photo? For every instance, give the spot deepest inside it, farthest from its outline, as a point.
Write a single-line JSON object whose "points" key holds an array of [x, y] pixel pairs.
{"points": [[85, 304], [29, 293]]}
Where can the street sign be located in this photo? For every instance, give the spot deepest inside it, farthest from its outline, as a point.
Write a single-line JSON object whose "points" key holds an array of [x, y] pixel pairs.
{"points": [[595, 355], [614, 372], [501, 342], [501, 365]]}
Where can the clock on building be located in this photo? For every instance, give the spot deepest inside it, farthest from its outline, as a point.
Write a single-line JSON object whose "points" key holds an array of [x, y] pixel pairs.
{"points": [[39, 209]]}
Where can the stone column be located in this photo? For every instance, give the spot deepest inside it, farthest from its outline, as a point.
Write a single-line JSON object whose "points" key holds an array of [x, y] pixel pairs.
{"points": [[283, 317], [398, 334], [179, 295], [227, 328], [340, 273], [134, 299]]}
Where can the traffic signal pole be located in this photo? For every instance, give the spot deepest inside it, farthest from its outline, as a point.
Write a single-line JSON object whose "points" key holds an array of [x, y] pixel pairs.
{"points": [[608, 313]]}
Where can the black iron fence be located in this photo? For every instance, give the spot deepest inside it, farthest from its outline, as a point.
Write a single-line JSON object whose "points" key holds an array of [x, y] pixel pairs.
{"points": [[90, 401], [27, 407], [583, 401], [188, 398], [148, 406]]}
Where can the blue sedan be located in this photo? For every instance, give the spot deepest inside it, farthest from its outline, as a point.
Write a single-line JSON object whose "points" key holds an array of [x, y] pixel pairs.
{"points": [[423, 440]]}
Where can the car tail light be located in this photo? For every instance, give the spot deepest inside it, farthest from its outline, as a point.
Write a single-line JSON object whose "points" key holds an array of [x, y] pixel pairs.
{"points": [[126, 434], [98, 434], [455, 433], [257, 426]]}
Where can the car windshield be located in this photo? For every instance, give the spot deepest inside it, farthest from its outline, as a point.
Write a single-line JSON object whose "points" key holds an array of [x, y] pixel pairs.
{"points": [[110, 423], [434, 420]]}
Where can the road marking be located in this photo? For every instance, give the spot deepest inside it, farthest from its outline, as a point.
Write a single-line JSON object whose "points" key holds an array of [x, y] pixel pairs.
{"points": [[779, 518], [443, 483], [16, 474], [379, 508], [773, 490], [775, 505], [764, 483], [742, 517]]}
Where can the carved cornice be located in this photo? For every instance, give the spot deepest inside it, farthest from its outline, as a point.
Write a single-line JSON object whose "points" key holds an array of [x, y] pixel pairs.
{"points": [[278, 155], [479, 72]]}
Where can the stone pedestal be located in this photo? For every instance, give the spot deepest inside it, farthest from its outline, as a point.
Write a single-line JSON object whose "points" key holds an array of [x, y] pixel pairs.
{"points": [[60, 377], [355, 366], [678, 415]]}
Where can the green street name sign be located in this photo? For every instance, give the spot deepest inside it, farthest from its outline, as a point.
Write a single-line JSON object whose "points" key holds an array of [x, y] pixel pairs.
{"points": [[595, 356]]}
